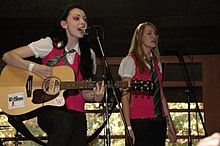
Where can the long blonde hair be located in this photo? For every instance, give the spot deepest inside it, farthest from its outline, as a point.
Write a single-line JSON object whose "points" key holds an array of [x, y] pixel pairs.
{"points": [[136, 48]]}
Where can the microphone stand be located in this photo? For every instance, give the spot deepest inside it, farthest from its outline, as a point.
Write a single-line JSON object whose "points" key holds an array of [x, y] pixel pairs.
{"points": [[17, 138], [189, 119], [112, 83], [190, 93]]}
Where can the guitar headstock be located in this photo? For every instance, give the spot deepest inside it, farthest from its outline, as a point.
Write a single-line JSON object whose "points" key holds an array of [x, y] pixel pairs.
{"points": [[143, 87]]}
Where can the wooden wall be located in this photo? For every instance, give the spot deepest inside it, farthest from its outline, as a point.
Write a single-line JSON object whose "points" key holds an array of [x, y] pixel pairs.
{"points": [[211, 94]]}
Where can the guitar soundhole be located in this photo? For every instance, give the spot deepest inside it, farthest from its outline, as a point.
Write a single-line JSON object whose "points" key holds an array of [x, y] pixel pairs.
{"points": [[51, 85]]}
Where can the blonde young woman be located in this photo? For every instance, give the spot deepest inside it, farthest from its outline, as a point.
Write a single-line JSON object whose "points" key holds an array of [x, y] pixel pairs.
{"points": [[146, 124]]}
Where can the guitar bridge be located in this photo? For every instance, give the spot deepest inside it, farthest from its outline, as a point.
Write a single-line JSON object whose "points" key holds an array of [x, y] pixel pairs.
{"points": [[29, 86]]}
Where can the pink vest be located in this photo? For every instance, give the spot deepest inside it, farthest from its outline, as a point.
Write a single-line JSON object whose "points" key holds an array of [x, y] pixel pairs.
{"points": [[142, 106], [75, 102]]}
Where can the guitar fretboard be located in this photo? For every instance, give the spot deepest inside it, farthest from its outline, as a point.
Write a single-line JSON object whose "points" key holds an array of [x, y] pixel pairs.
{"points": [[91, 85]]}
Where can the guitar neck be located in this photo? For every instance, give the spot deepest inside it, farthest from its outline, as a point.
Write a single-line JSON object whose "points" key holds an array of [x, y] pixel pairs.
{"points": [[91, 85]]}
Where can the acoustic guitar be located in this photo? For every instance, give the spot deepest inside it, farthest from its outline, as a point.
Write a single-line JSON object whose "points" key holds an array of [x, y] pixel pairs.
{"points": [[22, 91]]}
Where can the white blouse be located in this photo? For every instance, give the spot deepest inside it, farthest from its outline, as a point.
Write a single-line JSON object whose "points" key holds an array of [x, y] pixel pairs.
{"points": [[127, 67], [44, 46]]}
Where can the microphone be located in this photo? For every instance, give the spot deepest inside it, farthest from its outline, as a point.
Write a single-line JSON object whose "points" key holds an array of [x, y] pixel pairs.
{"points": [[91, 29]]}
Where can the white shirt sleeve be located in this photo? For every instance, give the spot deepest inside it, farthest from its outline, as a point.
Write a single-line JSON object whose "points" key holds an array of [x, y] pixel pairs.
{"points": [[127, 67], [42, 47]]}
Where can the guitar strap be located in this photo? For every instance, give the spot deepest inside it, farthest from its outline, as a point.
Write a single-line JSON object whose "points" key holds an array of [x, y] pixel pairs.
{"points": [[17, 123]]}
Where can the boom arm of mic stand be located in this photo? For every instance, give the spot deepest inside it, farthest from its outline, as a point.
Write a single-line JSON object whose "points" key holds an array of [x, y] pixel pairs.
{"points": [[191, 87], [112, 82]]}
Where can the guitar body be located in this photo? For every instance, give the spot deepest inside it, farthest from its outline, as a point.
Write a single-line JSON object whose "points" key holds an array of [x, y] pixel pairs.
{"points": [[17, 88]]}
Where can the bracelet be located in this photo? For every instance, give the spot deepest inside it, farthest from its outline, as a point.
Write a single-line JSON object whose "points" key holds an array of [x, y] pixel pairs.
{"points": [[129, 128], [30, 67]]}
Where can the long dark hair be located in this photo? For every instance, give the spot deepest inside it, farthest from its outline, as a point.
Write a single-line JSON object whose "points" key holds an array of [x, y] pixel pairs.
{"points": [[59, 36]]}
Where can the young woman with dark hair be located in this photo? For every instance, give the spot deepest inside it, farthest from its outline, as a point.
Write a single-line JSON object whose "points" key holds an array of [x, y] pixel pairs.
{"points": [[66, 45]]}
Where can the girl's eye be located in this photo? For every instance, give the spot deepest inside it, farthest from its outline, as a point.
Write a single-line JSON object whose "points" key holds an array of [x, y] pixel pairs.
{"points": [[85, 19], [153, 32], [76, 18]]}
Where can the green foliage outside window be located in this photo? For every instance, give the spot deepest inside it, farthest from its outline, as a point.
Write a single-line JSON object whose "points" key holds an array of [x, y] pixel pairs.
{"points": [[94, 120]]}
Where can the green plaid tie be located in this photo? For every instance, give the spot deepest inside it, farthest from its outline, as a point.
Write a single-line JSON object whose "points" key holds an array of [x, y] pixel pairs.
{"points": [[54, 60], [156, 97]]}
